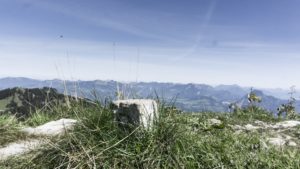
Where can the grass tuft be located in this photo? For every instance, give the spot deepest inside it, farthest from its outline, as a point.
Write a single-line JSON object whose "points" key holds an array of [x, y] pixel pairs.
{"points": [[9, 129]]}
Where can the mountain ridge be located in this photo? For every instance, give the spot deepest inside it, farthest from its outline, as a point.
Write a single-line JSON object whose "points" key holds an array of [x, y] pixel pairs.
{"points": [[189, 97]]}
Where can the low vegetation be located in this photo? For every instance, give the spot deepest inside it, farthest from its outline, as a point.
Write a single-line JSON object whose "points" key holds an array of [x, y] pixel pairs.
{"points": [[177, 140], [9, 129]]}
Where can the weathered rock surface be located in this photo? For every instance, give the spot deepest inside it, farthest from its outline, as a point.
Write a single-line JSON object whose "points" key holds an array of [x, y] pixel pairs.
{"points": [[281, 140], [277, 141], [19, 148], [286, 124], [262, 125], [214, 122], [250, 127], [136, 111], [292, 143], [278, 137], [52, 128]]}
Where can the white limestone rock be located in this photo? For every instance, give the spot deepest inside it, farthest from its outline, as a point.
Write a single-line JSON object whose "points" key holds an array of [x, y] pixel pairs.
{"points": [[286, 124], [282, 140], [261, 124], [52, 128], [250, 127], [292, 144], [277, 141], [136, 111], [237, 127], [19, 148], [214, 122]]}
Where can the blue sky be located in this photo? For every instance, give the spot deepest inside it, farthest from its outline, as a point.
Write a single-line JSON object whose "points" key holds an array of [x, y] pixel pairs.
{"points": [[245, 42]]}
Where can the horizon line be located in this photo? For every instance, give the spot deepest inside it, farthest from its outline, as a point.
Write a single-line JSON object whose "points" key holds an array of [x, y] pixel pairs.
{"points": [[122, 81]]}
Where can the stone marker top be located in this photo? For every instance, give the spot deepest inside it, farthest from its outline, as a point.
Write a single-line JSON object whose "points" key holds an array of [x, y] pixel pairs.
{"points": [[136, 111], [134, 101], [144, 105], [138, 102]]}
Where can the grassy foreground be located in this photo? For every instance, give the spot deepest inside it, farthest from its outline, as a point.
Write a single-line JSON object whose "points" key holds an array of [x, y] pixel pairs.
{"points": [[176, 141]]}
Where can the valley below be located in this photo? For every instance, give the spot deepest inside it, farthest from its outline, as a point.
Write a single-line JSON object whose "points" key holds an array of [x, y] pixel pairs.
{"points": [[186, 97]]}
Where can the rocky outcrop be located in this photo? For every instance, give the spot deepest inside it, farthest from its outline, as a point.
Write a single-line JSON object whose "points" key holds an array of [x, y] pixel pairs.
{"points": [[275, 134], [214, 122], [286, 124], [281, 140], [54, 128], [261, 125], [18, 148]]}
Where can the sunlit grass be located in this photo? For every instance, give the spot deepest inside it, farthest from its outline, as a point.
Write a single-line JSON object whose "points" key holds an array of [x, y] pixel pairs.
{"points": [[176, 141], [9, 129]]}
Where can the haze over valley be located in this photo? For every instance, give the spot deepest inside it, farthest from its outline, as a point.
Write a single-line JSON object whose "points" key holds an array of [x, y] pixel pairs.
{"points": [[188, 97]]}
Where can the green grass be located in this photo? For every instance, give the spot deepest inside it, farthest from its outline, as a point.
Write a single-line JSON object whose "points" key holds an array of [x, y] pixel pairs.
{"points": [[175, 141], [9, 130]]}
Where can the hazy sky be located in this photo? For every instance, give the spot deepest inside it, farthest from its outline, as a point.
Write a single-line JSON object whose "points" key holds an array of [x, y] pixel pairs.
{"points": [[245, 42]]}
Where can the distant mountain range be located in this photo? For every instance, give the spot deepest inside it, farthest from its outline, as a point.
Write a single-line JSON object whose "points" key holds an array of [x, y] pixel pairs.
{"points": [[188, 97]]}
